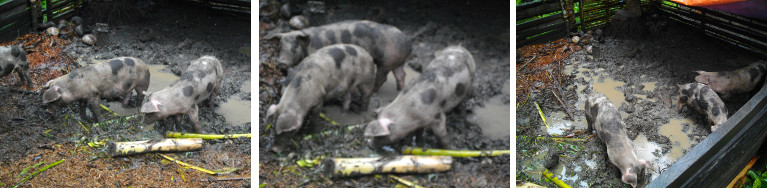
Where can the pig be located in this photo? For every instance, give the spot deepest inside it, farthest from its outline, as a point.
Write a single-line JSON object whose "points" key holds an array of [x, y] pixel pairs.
{"points": [[335, 71], [740, 80], [14, 58], [602, 116], [388, 46], [703, 99], [200, 81], [117, 77], [445, 82]]}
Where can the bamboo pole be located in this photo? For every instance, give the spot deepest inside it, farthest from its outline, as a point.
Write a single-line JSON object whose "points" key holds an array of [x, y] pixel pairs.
{"points": [[341, 167], [453, 153], [554, 179], [205, 136], [405, 182], [165, 145], [186, 165]]}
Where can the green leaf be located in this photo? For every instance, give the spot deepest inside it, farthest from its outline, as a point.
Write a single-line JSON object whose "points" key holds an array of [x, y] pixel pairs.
{"points": [[261, 185], [752, 174]]}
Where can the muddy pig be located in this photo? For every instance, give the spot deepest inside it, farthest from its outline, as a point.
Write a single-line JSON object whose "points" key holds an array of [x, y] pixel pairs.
{"points": [[736, 81], [444, 83], [603, 117], [14, 58], [388, 46], [703, 100], [117, 77], [335, 71], [197, 83]]}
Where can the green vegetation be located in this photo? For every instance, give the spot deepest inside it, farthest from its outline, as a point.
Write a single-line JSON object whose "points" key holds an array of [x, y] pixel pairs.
{"points": [[757, 179]]}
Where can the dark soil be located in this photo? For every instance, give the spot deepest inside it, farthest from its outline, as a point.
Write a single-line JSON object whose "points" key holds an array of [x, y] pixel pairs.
{"points": [[474, 25], [668, 57], [180, 33]]}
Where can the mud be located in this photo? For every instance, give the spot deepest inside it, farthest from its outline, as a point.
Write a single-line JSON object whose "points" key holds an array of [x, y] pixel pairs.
{"points": [[446, 23], [183, 32], [640, 77]]}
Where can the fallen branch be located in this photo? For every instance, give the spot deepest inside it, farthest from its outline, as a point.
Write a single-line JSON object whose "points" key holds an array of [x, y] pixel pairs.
{"points": [[528, 61], [554, 179], [165, 145], [453, 153], [38, 172], [558, 139], [205, 136], [340, 167], [569, 114], [541, 113], [404, 181]]}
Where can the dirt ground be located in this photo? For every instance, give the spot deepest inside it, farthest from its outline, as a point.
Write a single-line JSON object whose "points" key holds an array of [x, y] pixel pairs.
{"points": [[642, 76], [170, 39], [474, 26]]}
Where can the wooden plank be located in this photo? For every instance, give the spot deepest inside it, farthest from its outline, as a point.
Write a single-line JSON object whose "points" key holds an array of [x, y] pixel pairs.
{"points": [[525, 6], [541, 28], [717, 159], [239, 3], [11, 34], [539, 10], [543, 38], [5, 7], [539, 21], [16, 16]]}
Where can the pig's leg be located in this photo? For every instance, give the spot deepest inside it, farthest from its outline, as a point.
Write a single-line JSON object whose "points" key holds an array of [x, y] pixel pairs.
{"points": [[24, 77], [347, 100], [380, 77], [366, 90], [139, 96], [93, 104], [83, 115], [679, 105], [399, 75], [195, 118], [440, 129], [127, 97], [315, 113]]}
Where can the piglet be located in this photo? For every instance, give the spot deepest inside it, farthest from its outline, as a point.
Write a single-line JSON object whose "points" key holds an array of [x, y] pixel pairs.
{"points": [[198, 83], [117, 77], [602, 116], [444, 83], [338, 71], [14, 58], [736, 81], [704, 100]]}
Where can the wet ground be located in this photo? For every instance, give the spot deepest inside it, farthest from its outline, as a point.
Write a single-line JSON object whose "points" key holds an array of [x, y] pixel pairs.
{"points": [[479, 123], [179, 34], [640, 77]]}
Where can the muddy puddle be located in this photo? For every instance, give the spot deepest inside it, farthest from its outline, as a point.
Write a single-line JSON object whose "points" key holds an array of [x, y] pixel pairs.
{"points": [[676, 132], [235, 110], [159, 79]]}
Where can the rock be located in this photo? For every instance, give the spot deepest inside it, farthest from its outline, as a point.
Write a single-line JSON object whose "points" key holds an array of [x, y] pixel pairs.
{"points": [[89, 39], [576, 39], [589, 49], [52, 31]]}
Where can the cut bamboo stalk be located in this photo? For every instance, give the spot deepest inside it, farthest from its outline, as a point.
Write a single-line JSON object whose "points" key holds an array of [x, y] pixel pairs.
{"points": [[323, 116], [540, 112], [554, 179], [205, 136], [187, 165], [165, 145], [226, 179], [740, 179], [342, 167], [453, 153]]}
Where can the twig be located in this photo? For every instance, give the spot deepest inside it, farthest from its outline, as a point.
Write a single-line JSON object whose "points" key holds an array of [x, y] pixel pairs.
{"points": [[454, 153], [528, 61], [569, 114], [541, 113], [38, 172], [205, 136], [225, 179], [405, 182]]}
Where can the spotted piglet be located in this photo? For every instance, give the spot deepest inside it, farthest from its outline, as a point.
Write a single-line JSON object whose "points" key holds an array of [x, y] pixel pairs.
{"points": [[444, 83], [336, 71], [704, 100], [388, 46], [14, 58], [117, 77], [199, 82], [602, 116], [740, 80]]}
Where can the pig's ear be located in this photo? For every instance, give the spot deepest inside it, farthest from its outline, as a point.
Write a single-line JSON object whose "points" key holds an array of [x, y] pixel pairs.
{"points": [[703, 79], [303, 39], [150, 107], [51, 94], [288, 121]]}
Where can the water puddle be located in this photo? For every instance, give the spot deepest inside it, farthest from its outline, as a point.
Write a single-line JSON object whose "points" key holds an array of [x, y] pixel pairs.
{"points": [[235, 110], [645, 150], [679, 139], [493, 118], [649, 86], [558, 124], [533, 166], [608, 87], [159, 78]]}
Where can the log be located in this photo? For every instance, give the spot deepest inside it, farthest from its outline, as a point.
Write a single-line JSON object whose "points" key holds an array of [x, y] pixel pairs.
{"points": [[344, 167], [166, 145]]}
